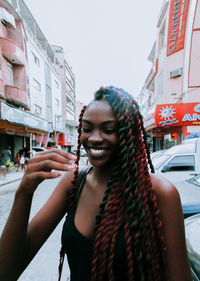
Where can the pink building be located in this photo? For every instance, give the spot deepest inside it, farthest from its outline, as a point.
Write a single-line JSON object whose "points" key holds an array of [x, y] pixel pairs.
{"points": [[170, 98], [17, 124]]}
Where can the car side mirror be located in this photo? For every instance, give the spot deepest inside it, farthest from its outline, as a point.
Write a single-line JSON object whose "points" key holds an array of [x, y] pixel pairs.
{"points": [[165, 169]]}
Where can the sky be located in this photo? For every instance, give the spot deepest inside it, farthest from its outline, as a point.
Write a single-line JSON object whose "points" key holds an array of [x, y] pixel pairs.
{"points": [[106, 42]]}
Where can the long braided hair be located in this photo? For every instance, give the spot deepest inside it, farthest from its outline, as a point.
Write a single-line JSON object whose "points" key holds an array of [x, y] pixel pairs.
{"points": [[129, 199]]}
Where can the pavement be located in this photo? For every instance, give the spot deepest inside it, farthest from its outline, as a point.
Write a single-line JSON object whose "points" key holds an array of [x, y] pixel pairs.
{"points": [[11, 176]]}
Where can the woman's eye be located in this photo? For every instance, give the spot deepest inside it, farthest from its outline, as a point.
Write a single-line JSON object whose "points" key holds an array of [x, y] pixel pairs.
{"points": [[86, 130], [110, 131]]}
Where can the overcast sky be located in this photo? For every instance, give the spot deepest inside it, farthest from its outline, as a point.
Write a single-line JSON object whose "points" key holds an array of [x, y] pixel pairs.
{"points": [[106, 42]]}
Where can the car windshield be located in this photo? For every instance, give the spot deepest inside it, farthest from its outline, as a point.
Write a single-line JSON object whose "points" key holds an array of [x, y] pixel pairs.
{"points": [[158, 161]]}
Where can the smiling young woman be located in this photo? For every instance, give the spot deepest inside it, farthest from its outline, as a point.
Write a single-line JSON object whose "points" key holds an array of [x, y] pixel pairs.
{"points": [[123, 222]]}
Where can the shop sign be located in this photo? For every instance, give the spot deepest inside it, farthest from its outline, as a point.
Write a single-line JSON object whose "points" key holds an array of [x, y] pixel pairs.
{"points": [[69, 140], [177, 25], [178, 114], [17, 116], [61, 139]]}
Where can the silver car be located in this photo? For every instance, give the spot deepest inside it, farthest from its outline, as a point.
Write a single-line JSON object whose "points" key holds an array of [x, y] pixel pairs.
{"points": [[192, 232], [179, 162]]}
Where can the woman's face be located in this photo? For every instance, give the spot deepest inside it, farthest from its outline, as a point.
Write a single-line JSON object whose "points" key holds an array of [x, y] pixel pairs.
{"points": [[99, 133]]}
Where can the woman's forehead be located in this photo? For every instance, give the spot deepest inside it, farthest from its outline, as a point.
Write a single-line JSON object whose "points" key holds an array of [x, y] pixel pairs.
{"points": [[99, 109]]}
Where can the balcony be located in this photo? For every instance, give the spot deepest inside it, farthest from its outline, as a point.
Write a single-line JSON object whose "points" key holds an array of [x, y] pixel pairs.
{"points": [[16, 95], [12, 52]]}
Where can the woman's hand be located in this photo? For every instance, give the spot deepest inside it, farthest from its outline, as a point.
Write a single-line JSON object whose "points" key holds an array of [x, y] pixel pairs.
{"points": [[42, 167]]}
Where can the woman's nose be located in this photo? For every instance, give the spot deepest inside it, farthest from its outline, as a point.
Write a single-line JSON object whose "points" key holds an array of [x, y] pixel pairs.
{"points": [[96, 136]]}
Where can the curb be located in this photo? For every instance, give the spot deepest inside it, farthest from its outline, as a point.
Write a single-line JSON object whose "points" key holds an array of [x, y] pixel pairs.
{"points": [[9, 181]]}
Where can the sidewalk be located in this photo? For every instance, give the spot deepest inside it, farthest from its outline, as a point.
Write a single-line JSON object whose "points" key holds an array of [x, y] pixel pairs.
{"points": [[11, 176]]}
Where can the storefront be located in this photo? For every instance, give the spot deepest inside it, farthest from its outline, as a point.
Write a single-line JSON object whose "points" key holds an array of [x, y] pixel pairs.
{"points": [[18, 128], [171, 123]]}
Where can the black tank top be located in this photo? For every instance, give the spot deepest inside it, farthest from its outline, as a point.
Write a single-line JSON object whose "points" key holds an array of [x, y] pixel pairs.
{"points": [[79, 250]]}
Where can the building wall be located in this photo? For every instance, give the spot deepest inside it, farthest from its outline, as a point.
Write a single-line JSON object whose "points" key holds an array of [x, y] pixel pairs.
{"points": [[175, 68], [36, 79]]}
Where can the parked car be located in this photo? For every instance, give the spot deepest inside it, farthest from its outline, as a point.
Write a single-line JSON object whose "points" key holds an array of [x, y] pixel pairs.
{"points": [[179, 162], [191, 140], [157, 153], [192, 233]]}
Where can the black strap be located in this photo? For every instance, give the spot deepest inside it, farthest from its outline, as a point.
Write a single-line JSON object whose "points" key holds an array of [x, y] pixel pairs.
{"points": [[79, 180]]}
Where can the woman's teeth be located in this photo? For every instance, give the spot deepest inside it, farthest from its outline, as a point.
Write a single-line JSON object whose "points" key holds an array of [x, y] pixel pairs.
{"points": [[96, 151]]}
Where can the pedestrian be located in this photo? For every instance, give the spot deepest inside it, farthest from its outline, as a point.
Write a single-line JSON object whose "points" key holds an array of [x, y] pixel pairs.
{"points": [[26, 156], [6, 157], [18, 160], [123, 222], [22, 161]]}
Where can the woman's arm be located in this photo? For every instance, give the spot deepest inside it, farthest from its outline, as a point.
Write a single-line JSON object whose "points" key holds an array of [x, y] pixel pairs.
{"points": [[177, 263], [19, 241]]}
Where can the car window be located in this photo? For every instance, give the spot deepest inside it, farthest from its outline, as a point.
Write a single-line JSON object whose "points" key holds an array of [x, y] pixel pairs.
{"points": [[160, 160], [182, 163]]}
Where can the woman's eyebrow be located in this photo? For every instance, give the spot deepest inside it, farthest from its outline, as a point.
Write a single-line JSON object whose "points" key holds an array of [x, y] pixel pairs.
{"points": [[104, 123], [86, 121]]}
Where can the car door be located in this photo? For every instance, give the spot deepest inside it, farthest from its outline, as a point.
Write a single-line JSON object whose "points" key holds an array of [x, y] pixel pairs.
{"points": [[179, 167]]}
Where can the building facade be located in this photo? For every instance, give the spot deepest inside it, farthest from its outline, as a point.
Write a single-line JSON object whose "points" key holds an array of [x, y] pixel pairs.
{"points": [[16, 122], [69, 137], [170, 98], [36, 98]]}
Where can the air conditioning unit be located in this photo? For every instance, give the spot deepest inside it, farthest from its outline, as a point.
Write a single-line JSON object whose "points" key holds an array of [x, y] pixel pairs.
{"points": [[176, 73]]}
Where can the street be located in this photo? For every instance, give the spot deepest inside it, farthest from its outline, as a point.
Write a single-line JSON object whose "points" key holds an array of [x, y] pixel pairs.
{"points": [[44, 266]]}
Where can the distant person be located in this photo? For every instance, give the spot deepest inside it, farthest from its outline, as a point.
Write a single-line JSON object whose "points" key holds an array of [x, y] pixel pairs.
{"points": [[18, 161], [26, 156], [22, 161], [6, 157], [123, 223]]}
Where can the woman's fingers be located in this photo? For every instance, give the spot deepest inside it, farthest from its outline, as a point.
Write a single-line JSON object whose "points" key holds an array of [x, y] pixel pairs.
{"points": [[57, 156], [58, 152], [46, 165]]}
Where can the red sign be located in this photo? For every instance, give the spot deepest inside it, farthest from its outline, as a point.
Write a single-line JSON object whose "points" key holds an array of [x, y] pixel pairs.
{"points": [[61, 139], [177, 114], [177, 25]]}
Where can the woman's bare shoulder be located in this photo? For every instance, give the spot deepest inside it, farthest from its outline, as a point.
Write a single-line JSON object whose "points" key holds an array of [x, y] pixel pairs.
{"points": [[163, 188]]}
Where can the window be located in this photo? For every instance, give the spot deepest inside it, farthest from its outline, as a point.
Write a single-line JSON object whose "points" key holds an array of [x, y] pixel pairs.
{"points": [[162, 37], [57, 103], [57, 84], [182, 163], [36, 85], [36, 60], [70, 104], [10, 75], [37, 109]]}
